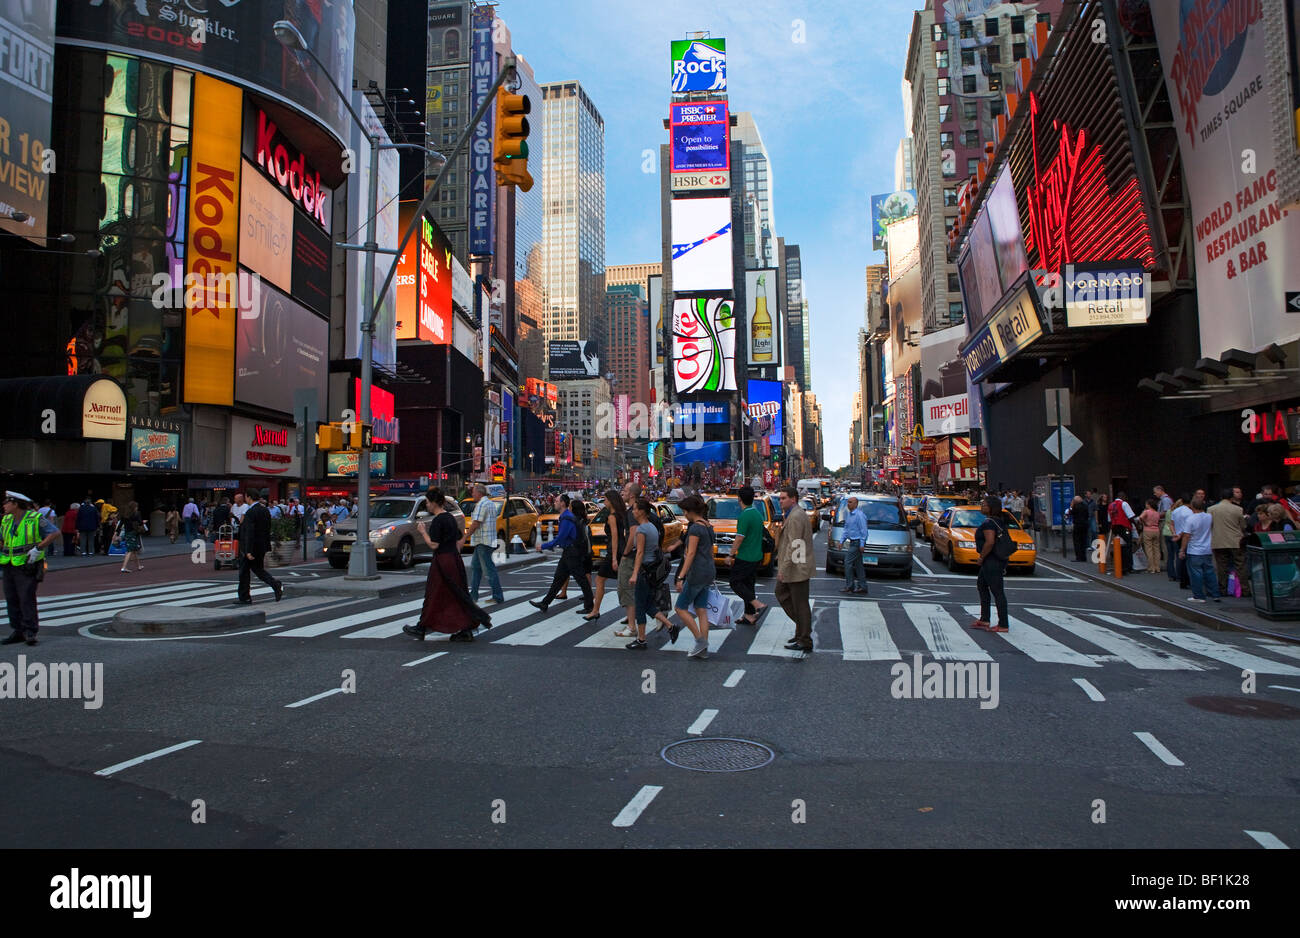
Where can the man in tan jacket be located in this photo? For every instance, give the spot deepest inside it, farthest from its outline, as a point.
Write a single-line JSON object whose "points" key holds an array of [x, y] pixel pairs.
{"points": [[794, 568], [1226, 533]]}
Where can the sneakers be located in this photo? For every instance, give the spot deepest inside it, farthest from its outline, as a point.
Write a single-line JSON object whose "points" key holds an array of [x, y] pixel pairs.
{"points": [[701, 649], [1193, 599], [998, 628], [636, 645], [673, 632], [793, 645], [981, 625]]}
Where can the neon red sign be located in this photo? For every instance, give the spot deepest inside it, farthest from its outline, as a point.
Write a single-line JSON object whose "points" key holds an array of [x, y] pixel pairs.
{"points": [[1073, 215]]}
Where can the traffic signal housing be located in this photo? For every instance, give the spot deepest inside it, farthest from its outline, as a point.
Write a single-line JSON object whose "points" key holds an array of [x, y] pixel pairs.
{"points": [[510, 148], [334, 438]]}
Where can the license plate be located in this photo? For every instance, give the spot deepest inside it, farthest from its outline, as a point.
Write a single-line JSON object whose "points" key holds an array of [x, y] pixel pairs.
{"points": [[870, 561], [723, 549], [347, 548]]}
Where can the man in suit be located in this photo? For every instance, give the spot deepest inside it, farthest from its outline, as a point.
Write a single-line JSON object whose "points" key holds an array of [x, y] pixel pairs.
{"points": [[254, 542], [794, 568]]}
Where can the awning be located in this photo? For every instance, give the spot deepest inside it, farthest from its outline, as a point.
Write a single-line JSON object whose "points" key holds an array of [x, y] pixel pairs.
{"points": [[62, 407]]}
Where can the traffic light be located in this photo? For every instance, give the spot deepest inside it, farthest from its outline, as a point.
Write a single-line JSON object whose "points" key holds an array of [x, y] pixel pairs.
{"points": [[510, 149], [329, 437]]}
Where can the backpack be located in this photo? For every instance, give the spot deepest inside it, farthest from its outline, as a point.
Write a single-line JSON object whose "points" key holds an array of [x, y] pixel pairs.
{"points": [[1003, 545]]}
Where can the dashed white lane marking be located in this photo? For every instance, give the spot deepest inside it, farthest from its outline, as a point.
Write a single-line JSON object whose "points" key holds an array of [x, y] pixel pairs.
{"points": [[640, 801], [702, 722], [411, 664], [147, 756], [1165, 756], [314, 698], [1092, 692], [734, 678], [1266, 840], [1284, 687]]}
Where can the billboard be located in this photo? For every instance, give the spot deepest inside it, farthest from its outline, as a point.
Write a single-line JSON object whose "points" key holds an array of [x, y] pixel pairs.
{"points": [[27, 38], [701, 231], [213, 239], [655, 290], [312, 262], [155, 449], [993, 257], [408, 315], [764, 317], [1215, 68], [387, 233], [482, 177], [903, 246], [945, 406], [704, 345], [280, 346], [238, 43], [573, 359], [260, 448], [348, 465], [693, 412], [435, 285], [383, 412], [541, 400], [766, 400], [701, 137], [265, 229], [699, 65], [887, 208]]}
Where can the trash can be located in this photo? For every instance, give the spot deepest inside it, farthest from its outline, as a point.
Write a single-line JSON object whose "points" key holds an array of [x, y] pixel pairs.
{"points": [[1275, 574]]}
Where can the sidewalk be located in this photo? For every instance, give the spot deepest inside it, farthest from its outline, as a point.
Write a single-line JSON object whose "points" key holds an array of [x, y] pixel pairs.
{"points": [[153, 547], [1232, 614]]}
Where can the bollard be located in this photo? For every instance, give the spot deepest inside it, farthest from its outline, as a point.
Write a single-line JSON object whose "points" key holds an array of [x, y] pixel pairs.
{"points": [[1118, 553], [1101, 556], [517, 545]]}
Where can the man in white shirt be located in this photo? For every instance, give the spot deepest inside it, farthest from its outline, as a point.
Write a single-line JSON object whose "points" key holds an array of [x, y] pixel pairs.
{"points": [[239, 508], [1195, 547], [1178, 518]]}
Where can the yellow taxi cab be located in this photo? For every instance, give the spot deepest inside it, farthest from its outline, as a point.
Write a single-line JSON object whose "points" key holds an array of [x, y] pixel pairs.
{"points": [[954, 539], [515, 515], [674, 522], [931, 507], [912, 505], [723, 513], [549, 520]]}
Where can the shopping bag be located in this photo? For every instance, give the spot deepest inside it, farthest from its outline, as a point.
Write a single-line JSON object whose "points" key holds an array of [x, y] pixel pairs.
{"points": [[720, 611], [1234, 584], [1139, 560]]}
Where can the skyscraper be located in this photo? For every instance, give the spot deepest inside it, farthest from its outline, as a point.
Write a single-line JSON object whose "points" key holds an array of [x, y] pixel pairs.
{"points": [[794, 329], [573, 230], [760, 215], [627, 354]]}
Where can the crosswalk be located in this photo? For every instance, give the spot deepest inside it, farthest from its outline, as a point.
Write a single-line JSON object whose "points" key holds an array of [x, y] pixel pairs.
{"points": [[850, 630]]}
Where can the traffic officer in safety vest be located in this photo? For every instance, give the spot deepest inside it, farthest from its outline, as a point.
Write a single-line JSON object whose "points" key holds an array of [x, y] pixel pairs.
{"points": [[24, 535]]}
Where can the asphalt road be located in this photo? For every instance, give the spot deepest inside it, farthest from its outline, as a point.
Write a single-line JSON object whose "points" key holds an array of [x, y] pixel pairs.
{"points": [[541, 732]]}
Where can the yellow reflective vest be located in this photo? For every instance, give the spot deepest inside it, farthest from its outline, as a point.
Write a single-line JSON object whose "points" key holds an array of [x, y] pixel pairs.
{"points": [[17, 539]]}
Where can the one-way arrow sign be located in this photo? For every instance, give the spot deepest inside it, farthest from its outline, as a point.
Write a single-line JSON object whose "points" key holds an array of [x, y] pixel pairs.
{"points": [[1293, 301], [1071, 444]]}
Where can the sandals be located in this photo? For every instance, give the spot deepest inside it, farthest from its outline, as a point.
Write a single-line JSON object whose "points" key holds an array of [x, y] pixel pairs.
{"points": [[625, 633]]}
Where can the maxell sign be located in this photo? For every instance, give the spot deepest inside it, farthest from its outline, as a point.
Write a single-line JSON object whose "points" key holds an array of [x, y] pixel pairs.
{"points": [[946, 415]]}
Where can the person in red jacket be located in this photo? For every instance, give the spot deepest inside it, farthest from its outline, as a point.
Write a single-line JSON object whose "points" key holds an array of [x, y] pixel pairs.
{"points": [[70, 530], [1120, 515]]}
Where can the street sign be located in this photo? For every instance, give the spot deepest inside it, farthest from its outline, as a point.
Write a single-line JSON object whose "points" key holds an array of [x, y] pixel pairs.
{"points": [[1058, 398], [1069, 445]]}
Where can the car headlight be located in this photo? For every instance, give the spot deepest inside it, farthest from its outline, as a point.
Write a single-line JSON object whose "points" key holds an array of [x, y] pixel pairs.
{"points": [[969, 545], [835, 545], [900, 548], [383, 532], [1028, 547]]}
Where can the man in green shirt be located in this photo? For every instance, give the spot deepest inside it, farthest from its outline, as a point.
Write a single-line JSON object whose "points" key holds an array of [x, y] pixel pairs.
{"points": [[748, 555]]}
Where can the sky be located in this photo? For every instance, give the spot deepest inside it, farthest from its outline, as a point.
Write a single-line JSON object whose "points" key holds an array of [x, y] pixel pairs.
{"points": [[823, 81]]}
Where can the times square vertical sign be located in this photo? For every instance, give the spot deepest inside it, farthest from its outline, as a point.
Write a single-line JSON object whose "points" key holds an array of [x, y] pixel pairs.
{"points": [[481, 175]]}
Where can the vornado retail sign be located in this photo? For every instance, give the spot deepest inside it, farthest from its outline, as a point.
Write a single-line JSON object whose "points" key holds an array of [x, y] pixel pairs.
{"points": [[259, 448], [1106, 297]]}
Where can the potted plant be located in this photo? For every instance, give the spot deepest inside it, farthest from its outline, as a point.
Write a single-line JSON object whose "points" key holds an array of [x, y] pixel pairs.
{"points": [[284, 541]]}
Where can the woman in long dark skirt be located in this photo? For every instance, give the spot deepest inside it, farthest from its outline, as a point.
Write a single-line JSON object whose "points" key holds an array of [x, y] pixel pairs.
{"points": [[447, 605]]}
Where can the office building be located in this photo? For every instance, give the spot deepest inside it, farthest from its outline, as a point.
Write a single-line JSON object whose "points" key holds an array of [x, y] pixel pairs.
{"points": [[760, 212]]}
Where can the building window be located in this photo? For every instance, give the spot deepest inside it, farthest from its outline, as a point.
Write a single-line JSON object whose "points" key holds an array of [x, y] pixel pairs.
{"points": [[936, 31], [972, 166], [943, 87], [995, 55], [995, 107], [954, 312], [968, 58], [968, 84], [967, 29], [995, 81], [940, 59], [1045, 18], [990, 26], [943, 113], [970, 111], [949, 197], [1018, 51], [954, 284], [945, 140], [451, 45], [972, 138], [1017, 25]]}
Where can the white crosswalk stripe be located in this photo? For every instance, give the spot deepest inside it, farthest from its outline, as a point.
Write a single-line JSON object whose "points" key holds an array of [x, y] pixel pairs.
{"points": [[394, 626], [776, 629], [1199, 644], [1135, 653], [106, 610], [560, 620], [1037, 645], [943, 635], [864, 634]]}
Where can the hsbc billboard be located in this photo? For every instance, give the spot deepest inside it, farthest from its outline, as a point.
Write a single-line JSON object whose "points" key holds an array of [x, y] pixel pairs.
{"points": [[699, 182]]}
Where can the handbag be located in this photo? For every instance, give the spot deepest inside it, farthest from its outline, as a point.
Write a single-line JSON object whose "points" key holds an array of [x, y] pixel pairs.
{"points": [[1234, 584]]}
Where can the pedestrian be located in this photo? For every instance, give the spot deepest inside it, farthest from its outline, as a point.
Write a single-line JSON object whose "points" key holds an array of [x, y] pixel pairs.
{"points": [[87, 528], [238, 509], [1152, 545], [1227, 528], [696, 577], [627, 564], [1169, 543], [172, 523], [1079, 517], [747, 554], [1181, 514], [1279, 520], [190, 515], [647, 575], [574, 547], [995, 547], [107, 520], [24, 535], [254, 543], [1103, 517], [1091, 498], [482, 538], [616, 535], [130, 526], [855, 541], [70, 530], [448, 608], [561, 504], [794, 568], [1195, 547]]}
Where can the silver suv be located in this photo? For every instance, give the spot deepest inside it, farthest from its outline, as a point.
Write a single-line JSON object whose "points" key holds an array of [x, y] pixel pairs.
{"points": [[393, 522], [889, 539]]}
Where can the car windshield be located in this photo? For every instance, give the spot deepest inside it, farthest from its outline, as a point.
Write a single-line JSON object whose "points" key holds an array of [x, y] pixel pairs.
{"points": [[676, 509], [389, 508], [601, 516], [880, 514], [939, 505], [911, 501], [967, 519], [724, 508]]}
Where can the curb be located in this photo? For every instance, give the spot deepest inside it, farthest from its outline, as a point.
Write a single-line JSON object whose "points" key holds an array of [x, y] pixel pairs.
{"points": [[1196, 615], [173, 620]]}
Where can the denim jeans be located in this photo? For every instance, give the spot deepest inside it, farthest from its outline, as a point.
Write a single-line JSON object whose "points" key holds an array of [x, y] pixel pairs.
{"points": [[482, 560], [991, 592], [1171, 554], [1200, 572]]}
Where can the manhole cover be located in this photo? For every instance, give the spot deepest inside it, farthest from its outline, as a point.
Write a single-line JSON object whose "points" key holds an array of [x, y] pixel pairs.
{"points": [[1245, 707], [717, 755]]}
